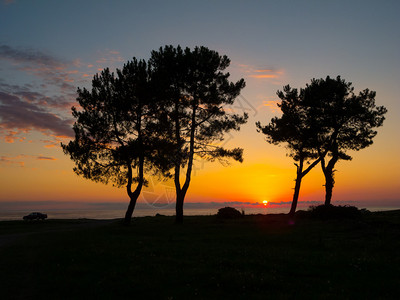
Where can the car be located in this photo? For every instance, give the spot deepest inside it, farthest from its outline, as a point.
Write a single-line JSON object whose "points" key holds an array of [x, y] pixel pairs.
{"points": [[35, 216]]}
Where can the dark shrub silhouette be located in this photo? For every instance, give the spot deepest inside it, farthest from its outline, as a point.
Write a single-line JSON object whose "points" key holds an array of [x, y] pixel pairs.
{"points": [[334, 212], [229, 213]]}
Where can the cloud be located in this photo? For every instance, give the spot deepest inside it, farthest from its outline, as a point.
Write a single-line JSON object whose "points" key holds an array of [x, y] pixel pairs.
{"points": [[12, 160], [272, 105], [29, 56], [43, 104], [268, 74], [56, 72], [45, 158], [109, 58], [53, 70], [20, 159], [18, 115], [11, 136], [265, 74], [27, 93], [262, 76], [51, 144]]}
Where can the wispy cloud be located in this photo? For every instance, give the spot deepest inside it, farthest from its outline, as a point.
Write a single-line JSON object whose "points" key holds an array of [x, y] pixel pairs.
{"points": [[54, 71], [29, 56], [28, 94], [21, 159], [18, 115], [36, 107], [12, 160], [109, 58], [44, 103], [50, 144], [272, 105], [45, 158], [271, 75]]}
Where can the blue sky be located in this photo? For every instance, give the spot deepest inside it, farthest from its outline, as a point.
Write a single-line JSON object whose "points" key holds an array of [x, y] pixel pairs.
{"points": [[48, 48]]}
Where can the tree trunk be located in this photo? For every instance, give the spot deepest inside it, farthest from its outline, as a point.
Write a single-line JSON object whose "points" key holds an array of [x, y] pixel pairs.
{"points": [[296, 194], [329, 182], [181, 192], [133, 195], [300, 174], [131, 208], [132, 203], [328, 171], [179, 208]]}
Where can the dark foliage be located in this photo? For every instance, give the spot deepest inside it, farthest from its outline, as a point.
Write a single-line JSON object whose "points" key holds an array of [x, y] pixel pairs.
{"points": [[345, 121], [229, 213], [297, 131], [114, 131], [320, 123], [335, 212], [194, 94]]}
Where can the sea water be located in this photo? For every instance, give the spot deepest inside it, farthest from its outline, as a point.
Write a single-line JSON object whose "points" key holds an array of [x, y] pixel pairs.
{"points": [[117, 211]]}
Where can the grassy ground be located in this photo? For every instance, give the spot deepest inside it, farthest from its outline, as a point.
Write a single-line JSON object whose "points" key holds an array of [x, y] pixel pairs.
{"points": [[257, 257]]}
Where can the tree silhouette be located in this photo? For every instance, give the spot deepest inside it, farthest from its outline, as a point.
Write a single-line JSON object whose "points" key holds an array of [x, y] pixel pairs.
{"points": [[113, 137], [325, 119], [192, 92], [296, 129], [345, 121]]}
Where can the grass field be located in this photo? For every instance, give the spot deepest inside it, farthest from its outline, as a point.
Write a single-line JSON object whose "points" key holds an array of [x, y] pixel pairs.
{"points": [[257, 257]]}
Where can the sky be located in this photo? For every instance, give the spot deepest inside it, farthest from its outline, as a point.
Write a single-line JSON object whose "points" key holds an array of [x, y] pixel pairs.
{"points": [[49, 48]]}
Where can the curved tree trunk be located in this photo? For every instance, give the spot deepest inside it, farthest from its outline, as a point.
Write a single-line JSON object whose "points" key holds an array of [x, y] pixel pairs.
{"points": [[181, 192], [133, 195], [131, 208], [295, 195], [300, 174], [328, 171]]}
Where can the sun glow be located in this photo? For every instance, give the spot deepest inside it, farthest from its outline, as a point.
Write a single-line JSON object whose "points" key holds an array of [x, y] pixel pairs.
{"points": [[265, 202]]}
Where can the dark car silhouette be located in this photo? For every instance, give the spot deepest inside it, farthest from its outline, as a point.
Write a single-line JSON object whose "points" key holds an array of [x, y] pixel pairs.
{"points": [[35, 216]]}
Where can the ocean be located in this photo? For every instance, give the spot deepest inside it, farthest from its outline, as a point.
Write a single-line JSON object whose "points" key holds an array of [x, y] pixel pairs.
{"points": [[111, 210], [9, 215]]}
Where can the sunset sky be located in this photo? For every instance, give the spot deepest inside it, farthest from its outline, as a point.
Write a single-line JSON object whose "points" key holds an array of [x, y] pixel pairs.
{"points": [[49, 48]]}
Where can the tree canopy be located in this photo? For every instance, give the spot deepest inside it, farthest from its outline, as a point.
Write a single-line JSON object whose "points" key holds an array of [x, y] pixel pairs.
{"points": [[324, 119], [297, 131], [113, 138], [193, 94], [156, 115], [346, 121]]}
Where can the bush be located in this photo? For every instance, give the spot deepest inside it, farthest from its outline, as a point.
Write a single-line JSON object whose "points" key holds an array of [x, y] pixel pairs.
{"points": [[334, 212], [229, 213]]}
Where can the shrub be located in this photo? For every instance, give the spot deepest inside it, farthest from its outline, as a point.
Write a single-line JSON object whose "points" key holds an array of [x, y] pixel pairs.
{"points": [[229, 213], [334, 212]]}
